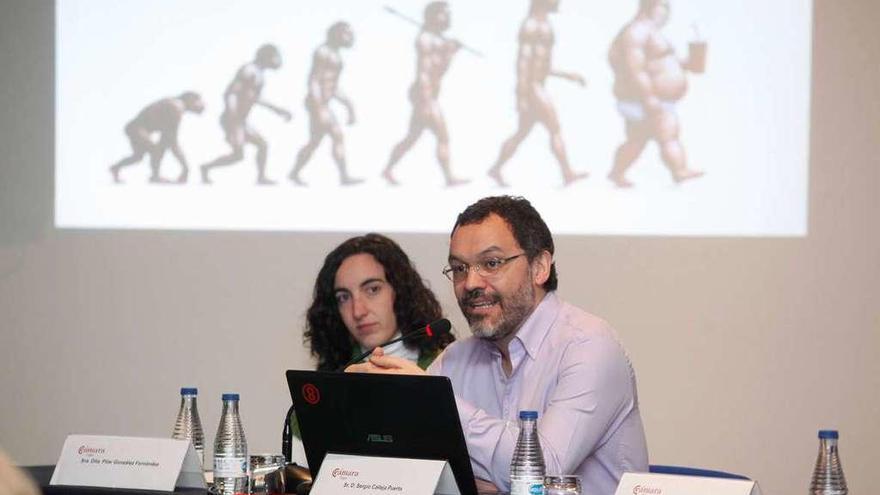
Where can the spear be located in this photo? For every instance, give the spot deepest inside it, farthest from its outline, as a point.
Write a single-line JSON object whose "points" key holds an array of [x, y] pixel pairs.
{"points": [[401, 15]]}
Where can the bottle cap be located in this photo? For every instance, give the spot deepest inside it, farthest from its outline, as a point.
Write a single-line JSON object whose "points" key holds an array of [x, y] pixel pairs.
{"points": [[189, 391], [230, 396], [528, 415], [828, 434]]}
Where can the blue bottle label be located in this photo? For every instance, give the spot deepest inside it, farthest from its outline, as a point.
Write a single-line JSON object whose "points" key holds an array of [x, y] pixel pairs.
{"points": [[526, 487]]}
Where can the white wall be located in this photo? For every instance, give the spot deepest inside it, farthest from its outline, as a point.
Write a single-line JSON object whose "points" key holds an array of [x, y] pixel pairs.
{"points": [[743, 347]]}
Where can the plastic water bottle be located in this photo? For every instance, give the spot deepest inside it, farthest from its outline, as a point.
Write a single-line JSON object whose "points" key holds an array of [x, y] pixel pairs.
{"points": [[188, 425], [230, 451], [527, 466], [828, 474]]}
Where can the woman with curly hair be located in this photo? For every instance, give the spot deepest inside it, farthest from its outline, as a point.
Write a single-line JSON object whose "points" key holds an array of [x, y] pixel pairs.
{"points": [[367, 293]]}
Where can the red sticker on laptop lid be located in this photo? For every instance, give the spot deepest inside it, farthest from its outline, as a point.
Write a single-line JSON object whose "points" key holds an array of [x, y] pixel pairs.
{"points": [[311, 394]]}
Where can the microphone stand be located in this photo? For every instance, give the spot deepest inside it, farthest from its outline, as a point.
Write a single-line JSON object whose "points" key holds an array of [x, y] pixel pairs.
{"points": [[287, 438]]}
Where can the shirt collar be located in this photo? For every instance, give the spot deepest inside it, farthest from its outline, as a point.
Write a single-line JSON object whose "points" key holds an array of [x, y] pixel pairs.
{"points": [[533, 331]]}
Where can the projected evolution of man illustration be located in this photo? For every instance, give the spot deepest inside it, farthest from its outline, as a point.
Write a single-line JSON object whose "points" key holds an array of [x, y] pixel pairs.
{"points": [[635, 116], [647, 85]]}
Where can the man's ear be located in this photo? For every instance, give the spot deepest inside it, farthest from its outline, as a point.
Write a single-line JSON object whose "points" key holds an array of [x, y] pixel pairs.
{"points": [[541, 267]]}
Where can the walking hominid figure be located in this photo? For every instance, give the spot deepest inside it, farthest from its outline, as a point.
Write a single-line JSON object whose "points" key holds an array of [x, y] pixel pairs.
{"points": [[533, 103], [648, 81], [240, 97], [434, 53], [323, 87]]}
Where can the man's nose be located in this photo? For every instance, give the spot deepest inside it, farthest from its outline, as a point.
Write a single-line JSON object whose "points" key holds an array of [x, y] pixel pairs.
{"points": [[473, 279]]}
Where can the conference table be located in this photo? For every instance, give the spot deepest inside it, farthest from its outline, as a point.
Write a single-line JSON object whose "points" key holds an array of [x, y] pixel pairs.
{"points": [[42, 475]]}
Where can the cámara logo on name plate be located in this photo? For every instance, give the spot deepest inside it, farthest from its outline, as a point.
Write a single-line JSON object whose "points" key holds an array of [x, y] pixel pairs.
{"points": [[343, 473], [646, 490], [89, 451]]}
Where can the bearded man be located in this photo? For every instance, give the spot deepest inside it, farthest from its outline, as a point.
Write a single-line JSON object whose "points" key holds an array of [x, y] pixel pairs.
{"points": [[530, 350]]}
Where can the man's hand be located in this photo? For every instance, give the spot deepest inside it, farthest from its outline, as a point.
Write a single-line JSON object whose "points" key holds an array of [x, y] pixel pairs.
{"points": [[484, 486], [389, 365]]}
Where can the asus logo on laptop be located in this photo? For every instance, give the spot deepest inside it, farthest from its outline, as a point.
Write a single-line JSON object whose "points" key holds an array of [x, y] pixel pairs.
{"points": [[375, 437]]}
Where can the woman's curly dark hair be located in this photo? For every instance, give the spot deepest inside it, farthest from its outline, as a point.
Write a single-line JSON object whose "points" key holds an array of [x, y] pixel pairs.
{"points": [[414, 304]]}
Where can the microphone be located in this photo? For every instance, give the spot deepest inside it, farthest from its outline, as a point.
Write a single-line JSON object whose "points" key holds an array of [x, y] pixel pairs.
{"points": [[430, 331], [434, 329]]}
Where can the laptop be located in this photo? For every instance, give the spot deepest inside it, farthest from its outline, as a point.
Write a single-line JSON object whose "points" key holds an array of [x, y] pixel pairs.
{"points": [[380, 415]]}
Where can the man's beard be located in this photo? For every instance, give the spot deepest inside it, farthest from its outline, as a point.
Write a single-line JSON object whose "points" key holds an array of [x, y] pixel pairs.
{"points": [[514, 311]]}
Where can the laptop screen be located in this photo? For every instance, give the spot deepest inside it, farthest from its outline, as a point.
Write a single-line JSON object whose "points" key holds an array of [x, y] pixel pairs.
{"points": [[380, 415]]}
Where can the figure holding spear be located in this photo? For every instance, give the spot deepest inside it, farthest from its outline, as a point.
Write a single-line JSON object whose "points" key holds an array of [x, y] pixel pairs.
{"points": [[434, 53]]}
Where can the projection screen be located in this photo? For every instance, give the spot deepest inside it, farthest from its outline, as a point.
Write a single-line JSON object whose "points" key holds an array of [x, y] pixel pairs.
{"points": [[619, 117]]}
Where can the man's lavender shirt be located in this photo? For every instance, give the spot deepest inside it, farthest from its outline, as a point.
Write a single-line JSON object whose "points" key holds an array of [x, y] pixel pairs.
{"points": [[569, 366]]}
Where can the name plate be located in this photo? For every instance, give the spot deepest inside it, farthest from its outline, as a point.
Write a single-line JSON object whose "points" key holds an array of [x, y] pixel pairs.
{"points": [[368, 475], [128, 462], [670, 484]]}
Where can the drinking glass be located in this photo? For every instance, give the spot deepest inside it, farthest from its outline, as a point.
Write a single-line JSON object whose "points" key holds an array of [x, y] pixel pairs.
{"points": [[563, 484]]}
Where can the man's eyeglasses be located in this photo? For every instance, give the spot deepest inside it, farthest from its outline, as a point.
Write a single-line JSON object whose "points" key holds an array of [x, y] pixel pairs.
{"points": [[456, 271]]}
